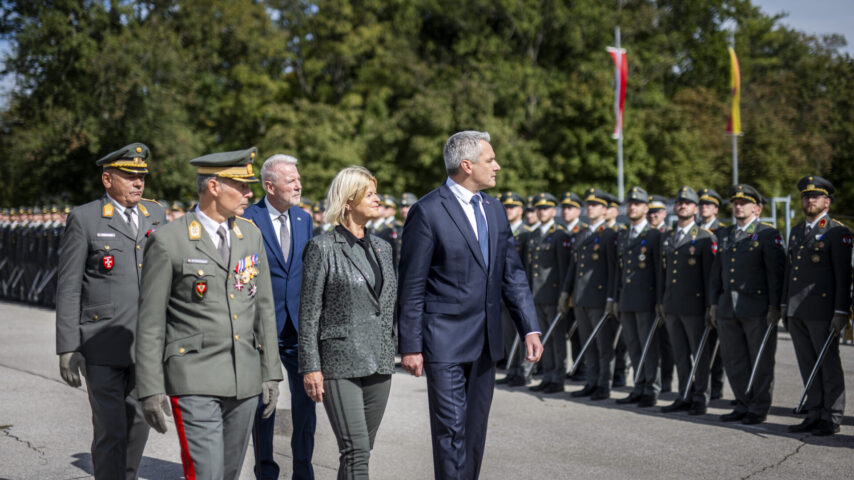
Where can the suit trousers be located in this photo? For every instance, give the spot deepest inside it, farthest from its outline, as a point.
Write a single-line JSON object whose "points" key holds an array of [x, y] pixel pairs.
{"points": [[717, 367], [213, 433], [459, 396], [665, 351], [509, 330], [120, 430], [599, 357], [554, 354], [685, 332], [826, 396], [636, 326], [355, 407], [740, 340]]}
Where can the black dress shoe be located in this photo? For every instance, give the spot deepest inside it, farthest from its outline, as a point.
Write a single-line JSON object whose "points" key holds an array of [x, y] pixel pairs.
{"points": [[716, 395], [601, 394], [647, 401], [519, 381], [753, 419], [541, 386], [506, 380], [632, 398], [619, 379], [584, 392], [677, 406], [805, 426], [825, 428], [578, 377], [697, 408], [553, 387], [733, 416]]}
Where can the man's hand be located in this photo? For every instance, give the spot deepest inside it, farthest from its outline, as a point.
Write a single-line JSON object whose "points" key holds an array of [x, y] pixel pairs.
{"points": [[712, 316], [784, 316], [269, 397], [413, 363], [563, 303], [71, 364], [773, 315], [611, 309], [533, 347], [313, 383], [839, 322], [153, 409]]}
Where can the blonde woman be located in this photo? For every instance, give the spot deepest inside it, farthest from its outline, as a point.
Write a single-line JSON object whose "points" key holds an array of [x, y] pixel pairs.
{"points": [[346, 335]]}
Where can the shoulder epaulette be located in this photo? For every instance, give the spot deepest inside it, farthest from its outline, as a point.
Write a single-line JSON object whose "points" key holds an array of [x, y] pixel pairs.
{"points": [[560, 227], [768, 224], [245, 219], [707, 231], [152, 201]]}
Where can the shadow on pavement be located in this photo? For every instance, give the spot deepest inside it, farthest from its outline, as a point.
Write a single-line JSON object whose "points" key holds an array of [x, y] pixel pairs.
{"points": [[149, 468]]}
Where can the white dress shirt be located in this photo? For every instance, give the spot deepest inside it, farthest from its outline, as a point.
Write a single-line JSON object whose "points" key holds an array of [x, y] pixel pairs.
{"points": [[276, 221], [211, 227], [464, 197], [121, 209]]}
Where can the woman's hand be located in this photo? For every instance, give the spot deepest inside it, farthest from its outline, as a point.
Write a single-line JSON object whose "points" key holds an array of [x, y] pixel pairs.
{"points": [[313, 382]]}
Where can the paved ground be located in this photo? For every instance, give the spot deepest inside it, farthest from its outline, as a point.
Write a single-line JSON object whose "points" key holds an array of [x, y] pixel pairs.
{"points": [[45, 429]]}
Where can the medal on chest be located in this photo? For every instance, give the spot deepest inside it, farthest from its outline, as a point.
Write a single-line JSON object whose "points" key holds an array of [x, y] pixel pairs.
{"points": [[244, 272]]}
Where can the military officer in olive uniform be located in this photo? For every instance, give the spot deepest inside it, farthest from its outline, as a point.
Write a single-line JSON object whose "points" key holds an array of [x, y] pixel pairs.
{"points": [[687, 253], [744, 291], [710, 203], [517, 375], [570, 212], [590, 284], [100, 277], [816, 300], [547, 254], [639, 282], [207, 323]]}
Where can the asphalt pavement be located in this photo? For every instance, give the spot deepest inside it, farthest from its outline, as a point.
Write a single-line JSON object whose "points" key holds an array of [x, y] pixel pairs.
{"points": [[45, 429]]}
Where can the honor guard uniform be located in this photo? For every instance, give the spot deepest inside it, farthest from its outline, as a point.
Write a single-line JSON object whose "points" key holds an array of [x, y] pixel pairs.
{"points": [[100, 277], [591, 283], [407, 200], [745, 289], [687, 253], [547, 254], [710, 204], [308, 206], [621, 360], [390, 228], [517, 376], [816, 302], [207, 323], [658, 213], [639, 283], [570, 205]]}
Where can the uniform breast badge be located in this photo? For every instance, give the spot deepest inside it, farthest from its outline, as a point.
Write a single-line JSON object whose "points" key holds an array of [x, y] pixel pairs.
{"points": [[107, 261], [244, 271], [200, 287]]}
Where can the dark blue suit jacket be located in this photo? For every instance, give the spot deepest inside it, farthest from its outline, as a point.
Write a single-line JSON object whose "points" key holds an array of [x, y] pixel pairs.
{"points": [[286, 274], [449, 303]]}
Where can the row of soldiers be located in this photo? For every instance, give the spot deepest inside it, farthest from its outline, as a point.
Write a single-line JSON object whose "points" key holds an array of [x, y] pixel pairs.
{"points": [[29, 248], [666, 294]]}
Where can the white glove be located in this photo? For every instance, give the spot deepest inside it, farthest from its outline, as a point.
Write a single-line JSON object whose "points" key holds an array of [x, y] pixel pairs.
{"points": [[71, 365]]}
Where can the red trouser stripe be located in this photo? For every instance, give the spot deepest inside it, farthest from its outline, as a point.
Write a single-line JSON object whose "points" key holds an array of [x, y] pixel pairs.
{"points": [[186, 459]]}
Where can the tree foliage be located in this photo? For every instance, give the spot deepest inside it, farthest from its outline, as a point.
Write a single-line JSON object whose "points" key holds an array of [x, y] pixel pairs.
{"points": [[383, 83]]}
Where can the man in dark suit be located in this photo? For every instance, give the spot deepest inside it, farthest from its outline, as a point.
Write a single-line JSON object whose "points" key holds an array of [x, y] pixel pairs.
{"points": [[590, 283], [286, 229], [816, 301], [638, 286], [453, 277], [688, 252], [100, 277], [747, 277]]}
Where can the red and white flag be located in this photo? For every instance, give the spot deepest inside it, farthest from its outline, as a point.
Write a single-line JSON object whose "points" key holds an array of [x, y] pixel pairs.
{"points": [[621, 71]]}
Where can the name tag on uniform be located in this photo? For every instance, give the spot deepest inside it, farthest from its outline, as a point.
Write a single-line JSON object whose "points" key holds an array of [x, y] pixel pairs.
{"points": [[105, 235], [197, 260]]}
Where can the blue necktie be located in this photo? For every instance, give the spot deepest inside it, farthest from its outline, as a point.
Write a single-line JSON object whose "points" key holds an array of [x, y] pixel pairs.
{"points": [[482, 234]]}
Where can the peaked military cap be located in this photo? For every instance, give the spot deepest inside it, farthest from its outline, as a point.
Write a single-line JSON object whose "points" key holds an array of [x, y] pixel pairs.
{"points": [[320, 206], [544, 200], [638, 195], [571, 200], [745, 192], [687, 194], [813, 184], [707, 195], [595, 195], [236, 165], [130, 158], [529, 204], [177, 206], [305, 202], [613, 201], [409, 199], [388, 200], [657, 202], [512, 199]]}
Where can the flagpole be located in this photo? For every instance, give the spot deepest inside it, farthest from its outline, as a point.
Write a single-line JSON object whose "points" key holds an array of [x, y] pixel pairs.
{"points": [[620, 137]]}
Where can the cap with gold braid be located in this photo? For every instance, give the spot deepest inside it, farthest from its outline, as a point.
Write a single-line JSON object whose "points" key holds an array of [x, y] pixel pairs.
{"points": [[707, 195], [236, 165], [594, 195], [544, 200], [637, 195], [812, 185], [745, 192], [570, 199], [512, 199], [130, 158]]}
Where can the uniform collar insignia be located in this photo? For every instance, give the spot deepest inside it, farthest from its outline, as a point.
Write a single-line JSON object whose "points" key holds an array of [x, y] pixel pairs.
{"points": [[236, 230], [107, 210], [195, 230], [142, 209]]}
